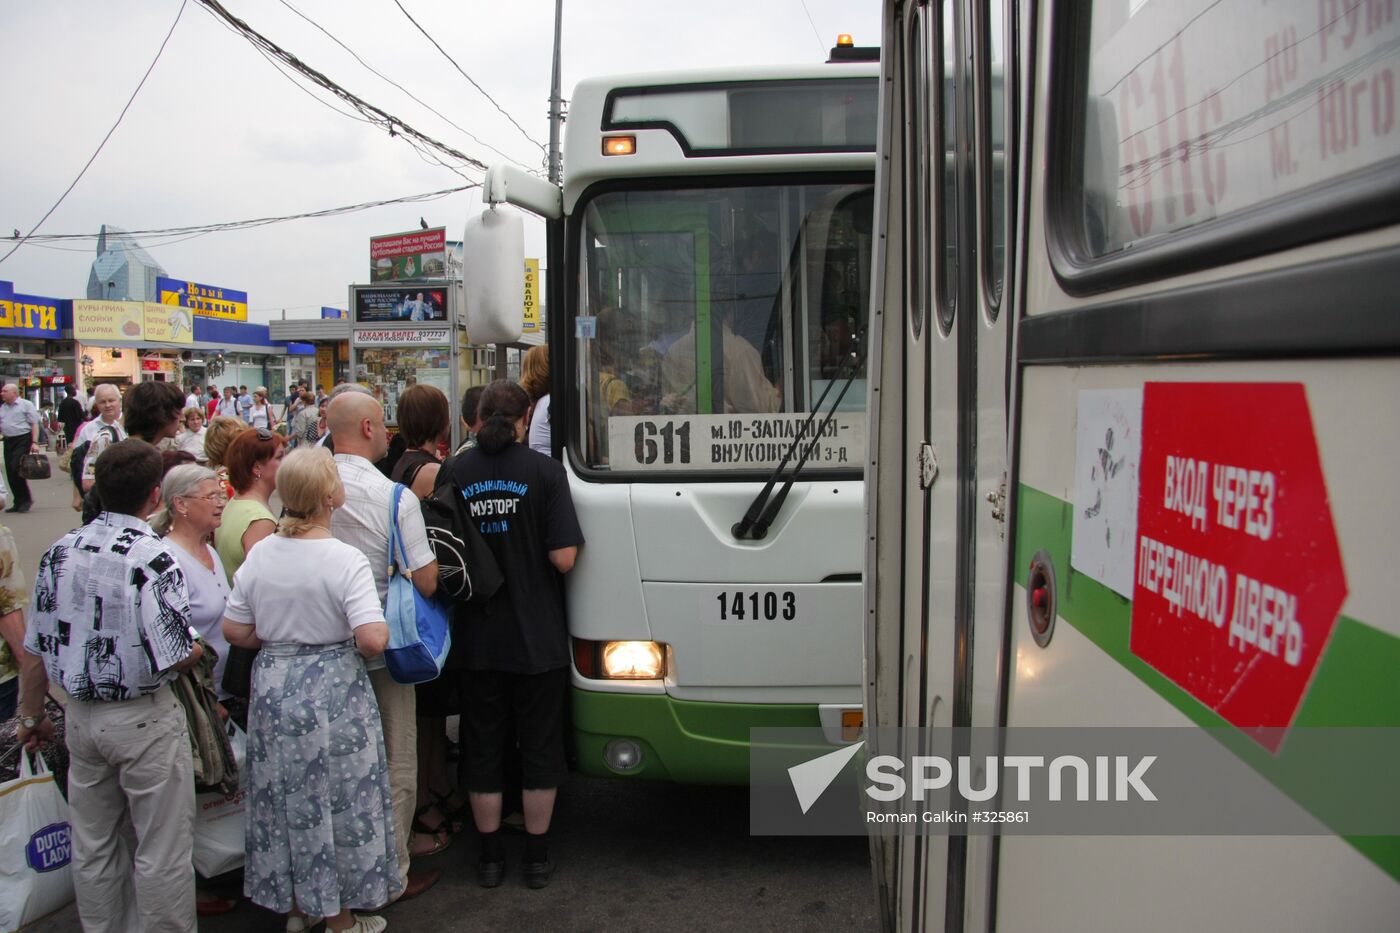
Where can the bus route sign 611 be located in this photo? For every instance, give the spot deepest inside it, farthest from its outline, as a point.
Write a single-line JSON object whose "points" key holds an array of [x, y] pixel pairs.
{"points": [[733, 441]]}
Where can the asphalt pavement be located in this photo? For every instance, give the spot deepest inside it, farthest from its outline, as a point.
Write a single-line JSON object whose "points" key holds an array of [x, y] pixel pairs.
{"points": [[628, 855]]}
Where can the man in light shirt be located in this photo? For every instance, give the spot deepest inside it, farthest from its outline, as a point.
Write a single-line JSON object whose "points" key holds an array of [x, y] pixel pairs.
{"points": [[19, 422], [356, 421], [111, 623], [101, 432]]}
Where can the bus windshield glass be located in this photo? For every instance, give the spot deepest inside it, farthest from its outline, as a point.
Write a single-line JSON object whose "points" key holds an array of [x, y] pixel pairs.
{"points": [[703, 304]]}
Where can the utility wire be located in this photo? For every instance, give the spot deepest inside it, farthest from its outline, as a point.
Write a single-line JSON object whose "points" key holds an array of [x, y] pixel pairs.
{"points": [[468, 77], [821, 45], [200, 229], [120, 116], [379, 74], [395, 126]]}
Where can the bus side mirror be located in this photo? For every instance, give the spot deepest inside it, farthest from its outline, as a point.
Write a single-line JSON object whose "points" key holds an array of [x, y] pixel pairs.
{"points": [[493, 276]]}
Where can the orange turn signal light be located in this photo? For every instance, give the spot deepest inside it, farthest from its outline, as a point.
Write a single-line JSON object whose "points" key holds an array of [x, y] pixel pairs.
{"points": [[852, 721], [619, 145]]}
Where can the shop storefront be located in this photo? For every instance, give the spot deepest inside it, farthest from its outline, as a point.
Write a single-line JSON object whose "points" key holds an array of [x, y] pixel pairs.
{"points": [[33, 354]]}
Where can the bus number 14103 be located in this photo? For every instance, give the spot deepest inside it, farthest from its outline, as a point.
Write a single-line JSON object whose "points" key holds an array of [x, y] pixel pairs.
{"points": [[771, 606]]}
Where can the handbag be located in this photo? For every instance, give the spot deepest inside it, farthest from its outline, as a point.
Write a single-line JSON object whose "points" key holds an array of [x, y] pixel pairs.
{"points": [[35, 466], [36, 846], [419, 626], [219, 819]]}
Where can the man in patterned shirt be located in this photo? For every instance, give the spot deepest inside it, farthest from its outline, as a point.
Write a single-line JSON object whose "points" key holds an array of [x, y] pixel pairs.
{"points": [[110, 620]]}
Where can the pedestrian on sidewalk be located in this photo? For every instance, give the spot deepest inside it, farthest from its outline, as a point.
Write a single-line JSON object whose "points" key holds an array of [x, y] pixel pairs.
{"points": [[19, 423]]}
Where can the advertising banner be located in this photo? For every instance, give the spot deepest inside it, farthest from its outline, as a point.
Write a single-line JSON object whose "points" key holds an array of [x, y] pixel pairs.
{"points": [[108, 320], [417, 254], [204, 300], [325, 367], [395, 305], [27, 315], [418, 336], [334, 314], [167, 323], [531, 318]]}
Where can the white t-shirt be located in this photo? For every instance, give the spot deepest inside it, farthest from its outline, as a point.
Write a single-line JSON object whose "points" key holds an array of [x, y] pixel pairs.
{"points": [[192, 443], [539, 428], [193, 401], [305, 591]]}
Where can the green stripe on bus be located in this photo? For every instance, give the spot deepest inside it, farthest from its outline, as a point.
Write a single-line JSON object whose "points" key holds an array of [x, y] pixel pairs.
{"points": [[685, 741], [1354, 683]]}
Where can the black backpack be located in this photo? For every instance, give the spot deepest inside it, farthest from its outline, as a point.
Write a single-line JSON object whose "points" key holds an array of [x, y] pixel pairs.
{"points": [[467, 570]]}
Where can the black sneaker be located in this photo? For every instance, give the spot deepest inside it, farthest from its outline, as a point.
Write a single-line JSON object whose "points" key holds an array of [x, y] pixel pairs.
{"points": [[537, 874], [490, 874]]}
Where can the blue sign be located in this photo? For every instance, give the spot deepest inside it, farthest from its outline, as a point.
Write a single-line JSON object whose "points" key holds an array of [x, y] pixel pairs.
{"points": [[27, 315], [50, 848], [334, 313]]}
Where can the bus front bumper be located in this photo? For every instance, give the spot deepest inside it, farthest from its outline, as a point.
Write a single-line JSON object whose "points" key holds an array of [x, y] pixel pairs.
{"points": [[657, 737]]}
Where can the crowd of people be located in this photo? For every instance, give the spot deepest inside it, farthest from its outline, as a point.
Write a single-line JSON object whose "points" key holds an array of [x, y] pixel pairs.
{"points": [[270, 552]]}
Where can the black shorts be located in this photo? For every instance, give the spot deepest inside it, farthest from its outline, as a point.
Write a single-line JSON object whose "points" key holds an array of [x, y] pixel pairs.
{"points": [[491, 700]]}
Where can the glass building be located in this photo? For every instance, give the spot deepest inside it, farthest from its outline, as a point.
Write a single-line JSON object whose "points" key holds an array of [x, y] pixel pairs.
{"points": [[122, 269]]}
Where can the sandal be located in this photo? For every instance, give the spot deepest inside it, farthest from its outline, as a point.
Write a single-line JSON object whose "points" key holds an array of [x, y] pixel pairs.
{"points": [[451, 821]]}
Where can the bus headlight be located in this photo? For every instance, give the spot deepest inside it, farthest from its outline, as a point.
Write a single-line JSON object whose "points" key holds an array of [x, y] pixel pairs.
{"points": [[633, 660], [620, 660]]}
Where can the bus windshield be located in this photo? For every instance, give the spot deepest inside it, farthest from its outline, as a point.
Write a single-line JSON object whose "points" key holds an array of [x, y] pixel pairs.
{"points": [[706, 302]]}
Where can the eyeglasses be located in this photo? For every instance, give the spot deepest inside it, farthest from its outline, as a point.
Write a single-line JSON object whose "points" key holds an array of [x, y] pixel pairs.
{"points": [[215, 497]]}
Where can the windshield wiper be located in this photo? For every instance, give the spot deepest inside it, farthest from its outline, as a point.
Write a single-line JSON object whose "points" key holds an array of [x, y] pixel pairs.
{"points": [[763, 510]]}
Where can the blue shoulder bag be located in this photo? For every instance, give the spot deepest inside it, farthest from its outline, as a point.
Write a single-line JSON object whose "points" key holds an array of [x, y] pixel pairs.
{"points": [[419, 626]]}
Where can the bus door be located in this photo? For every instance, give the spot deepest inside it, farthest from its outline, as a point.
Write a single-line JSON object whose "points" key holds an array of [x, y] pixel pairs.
{"points": [[939, 500]]}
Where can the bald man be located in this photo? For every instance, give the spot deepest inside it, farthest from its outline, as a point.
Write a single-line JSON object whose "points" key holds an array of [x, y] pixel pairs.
{"points": [[356, 420]]}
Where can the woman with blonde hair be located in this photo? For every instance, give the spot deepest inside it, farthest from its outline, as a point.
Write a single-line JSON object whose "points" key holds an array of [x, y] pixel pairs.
{"points": [[319, 841], [534, 379]]}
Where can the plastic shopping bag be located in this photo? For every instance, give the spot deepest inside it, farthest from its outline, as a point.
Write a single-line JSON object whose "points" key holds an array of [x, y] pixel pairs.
{"points": [[36, 846], [219, 819]]}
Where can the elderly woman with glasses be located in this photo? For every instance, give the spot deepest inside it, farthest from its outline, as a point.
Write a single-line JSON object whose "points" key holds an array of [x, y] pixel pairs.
{"points": [[194, 504], [252, 460]]}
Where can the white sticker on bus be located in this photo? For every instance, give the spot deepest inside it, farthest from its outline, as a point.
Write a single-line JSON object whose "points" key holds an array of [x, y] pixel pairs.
{"points": [[734, 441]]}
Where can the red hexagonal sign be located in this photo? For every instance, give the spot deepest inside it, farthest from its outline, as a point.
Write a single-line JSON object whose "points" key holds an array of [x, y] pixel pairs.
{"points": [[1238, 576]]}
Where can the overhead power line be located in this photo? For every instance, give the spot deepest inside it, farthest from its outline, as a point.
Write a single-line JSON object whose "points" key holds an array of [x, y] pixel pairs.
{"points": [[201, 229], [140, 84], [468, 77], [379, 74], [383, 118]]}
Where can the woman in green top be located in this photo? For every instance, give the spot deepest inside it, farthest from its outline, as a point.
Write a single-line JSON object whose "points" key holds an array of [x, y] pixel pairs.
{"points": [[252, 461]]}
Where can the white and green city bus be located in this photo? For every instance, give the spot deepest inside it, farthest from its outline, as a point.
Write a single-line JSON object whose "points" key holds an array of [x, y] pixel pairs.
{"points": [[1135, 408], [709, 273]]}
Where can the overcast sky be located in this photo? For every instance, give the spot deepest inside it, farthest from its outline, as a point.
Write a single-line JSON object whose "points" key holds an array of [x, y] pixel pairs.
{"points": [[217, 134]]}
